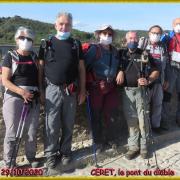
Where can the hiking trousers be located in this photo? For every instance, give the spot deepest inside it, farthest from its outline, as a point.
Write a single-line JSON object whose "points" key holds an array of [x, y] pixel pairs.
{"points": [[12, 109], [174, 82], [60, 112], [103, 110], [136, 111], [156, 97]]}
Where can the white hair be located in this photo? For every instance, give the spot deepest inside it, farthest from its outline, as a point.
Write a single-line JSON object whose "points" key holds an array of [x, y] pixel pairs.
{"points": [[67, 14], [127, 34], [24, 30]]}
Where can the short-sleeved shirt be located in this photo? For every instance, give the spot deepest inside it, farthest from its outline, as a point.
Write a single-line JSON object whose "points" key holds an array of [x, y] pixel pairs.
{"points": [[61, 60], [131, 65], [159, 56], [25, 74]]}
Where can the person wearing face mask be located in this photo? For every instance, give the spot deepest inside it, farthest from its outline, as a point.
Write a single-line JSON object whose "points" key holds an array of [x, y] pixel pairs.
{"points": [[159, 55], [173, 76], [20, 78], [102, 89], [62, 67], [136, 72]]}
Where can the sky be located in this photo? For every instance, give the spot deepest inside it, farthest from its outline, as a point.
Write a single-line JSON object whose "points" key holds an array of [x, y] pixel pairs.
{"points": [[89, 16]]}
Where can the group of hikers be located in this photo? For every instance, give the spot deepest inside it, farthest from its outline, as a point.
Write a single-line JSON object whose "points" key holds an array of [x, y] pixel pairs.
{"points": [[64, 74]]}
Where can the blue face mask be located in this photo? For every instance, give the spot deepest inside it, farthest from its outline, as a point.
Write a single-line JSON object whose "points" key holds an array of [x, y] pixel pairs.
{"points": [[63, 35], [132, 45]]}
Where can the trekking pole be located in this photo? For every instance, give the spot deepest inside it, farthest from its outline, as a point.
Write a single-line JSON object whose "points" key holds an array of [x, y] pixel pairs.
{"points": [[19, 134], [143, 94], [153, 143], [90, 126]]}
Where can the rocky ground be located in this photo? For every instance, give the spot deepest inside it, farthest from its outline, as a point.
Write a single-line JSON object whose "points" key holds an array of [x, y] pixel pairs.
{"points": [[168, 153], [81, 133]]}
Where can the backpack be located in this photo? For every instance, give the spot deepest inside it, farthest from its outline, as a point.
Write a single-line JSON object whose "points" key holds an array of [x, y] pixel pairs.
{"points": [[47, 44], [16, 62], [86, 47], [165, 38]]}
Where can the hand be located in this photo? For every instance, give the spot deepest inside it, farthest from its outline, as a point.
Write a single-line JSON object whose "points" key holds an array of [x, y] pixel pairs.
{"points": [[27, 96], [81, 98], [165, 85], [142, 82], [120, 78]]}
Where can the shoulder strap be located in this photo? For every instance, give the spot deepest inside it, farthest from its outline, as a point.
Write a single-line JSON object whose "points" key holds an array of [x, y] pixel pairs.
{"points": [[15, 59], [130, 63], [33, 56], [14, 55], [97, 55], [76, 44], [45, 43], [98, 51]]}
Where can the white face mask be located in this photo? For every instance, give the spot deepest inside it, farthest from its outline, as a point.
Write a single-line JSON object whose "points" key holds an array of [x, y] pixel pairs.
{"points": [[177, 28], [154, 38], [106, 40], [25, 45], [63, 35]]}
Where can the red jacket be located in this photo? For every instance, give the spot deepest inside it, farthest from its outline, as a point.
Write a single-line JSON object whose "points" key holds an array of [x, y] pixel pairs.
{"points": [[173, 45], [174, 48]]}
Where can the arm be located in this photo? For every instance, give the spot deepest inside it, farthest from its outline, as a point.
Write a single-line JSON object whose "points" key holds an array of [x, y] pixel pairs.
{"points": [[120, 75], [82, 79], [153, 76], [145, 82], [6, 76]]}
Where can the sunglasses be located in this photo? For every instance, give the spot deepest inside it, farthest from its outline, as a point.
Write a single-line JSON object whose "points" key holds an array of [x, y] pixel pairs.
{"points": [[107, 33], [155, 33], [23, 38]]}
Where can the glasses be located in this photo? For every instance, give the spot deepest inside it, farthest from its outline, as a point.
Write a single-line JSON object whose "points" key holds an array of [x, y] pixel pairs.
{"points": [[155, 33], [23, 38], [107, 33]]}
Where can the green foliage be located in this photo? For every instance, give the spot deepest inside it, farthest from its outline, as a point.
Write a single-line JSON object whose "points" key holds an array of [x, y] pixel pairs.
{"points": [[9, 26], [43, 30]]}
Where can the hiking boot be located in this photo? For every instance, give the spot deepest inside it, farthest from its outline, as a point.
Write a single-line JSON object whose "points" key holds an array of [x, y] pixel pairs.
{"points": [[164, 125], [51, 162], [110, 145], [158, 130], [144, 154], [34, 162], [131, 154], [66, 159]]}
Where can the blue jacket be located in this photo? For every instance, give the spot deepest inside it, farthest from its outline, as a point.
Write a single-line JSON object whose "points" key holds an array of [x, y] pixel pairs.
{"points": [[102, 67]]}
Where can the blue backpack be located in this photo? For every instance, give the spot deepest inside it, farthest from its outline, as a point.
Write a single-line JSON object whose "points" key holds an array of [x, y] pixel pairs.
{"points": [[165, 38]]}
